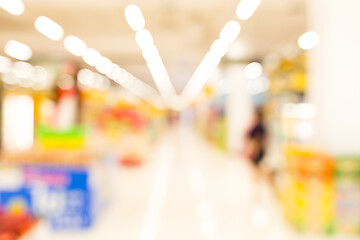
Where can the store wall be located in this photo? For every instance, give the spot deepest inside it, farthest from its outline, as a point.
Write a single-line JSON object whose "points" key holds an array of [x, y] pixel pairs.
{"points": [[334, 74]]}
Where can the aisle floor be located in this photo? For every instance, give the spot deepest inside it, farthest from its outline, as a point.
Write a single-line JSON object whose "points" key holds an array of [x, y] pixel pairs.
{"points": [[187, 190]]}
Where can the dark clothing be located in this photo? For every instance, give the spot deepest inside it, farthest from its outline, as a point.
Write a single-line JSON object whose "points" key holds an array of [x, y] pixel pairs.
{"points": [[259, 156], [258, 132], [257, 137]]}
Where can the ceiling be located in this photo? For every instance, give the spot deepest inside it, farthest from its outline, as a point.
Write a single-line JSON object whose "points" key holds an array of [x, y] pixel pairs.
{"points": [[182, 30]]}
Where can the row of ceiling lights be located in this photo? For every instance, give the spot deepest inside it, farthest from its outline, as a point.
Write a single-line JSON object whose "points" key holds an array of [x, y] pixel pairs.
{"points": [[77, 47], [151, 54], [228, 34], [136, 21]]}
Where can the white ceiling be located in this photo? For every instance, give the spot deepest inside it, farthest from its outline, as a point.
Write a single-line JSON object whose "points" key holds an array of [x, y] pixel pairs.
{"points": [[182, 30]]}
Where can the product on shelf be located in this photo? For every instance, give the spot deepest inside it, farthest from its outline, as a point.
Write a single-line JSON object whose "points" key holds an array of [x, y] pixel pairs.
{"points": [[289, 75], [66, 188], [347, 209], [309, 193], [64, 143], [71, 138], [210, 120]]}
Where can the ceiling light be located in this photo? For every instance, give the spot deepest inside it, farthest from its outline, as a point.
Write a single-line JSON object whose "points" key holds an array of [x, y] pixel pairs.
{"points": [[23, 70], [206, 68], [246, 8], [210, 62], [49, 28], [230, 32], [150, 53], [134, 17], [144, 39], [5, 64], [104, 66], [14, 7], [92, 57], [75, 45], [86, 77], [253, 70], [18, 50], [117, 74], [219, 48], [40, 74], [308, 40]]}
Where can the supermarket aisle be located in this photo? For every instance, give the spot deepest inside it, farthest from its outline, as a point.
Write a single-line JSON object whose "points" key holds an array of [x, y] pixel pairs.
{"points": [[186, 190], [225, 201]]}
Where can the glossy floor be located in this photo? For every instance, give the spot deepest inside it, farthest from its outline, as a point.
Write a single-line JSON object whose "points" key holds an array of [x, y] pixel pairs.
{"points": [[186, 190]]}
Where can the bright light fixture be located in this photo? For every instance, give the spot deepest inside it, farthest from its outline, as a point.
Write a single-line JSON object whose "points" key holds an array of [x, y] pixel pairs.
{"points": [[140, 89], [134, 17], [14, 7], [117, 74], [230, 31], [253, 70], [23, 70], [246, 8], [86, 77], [308, 40], [92, 57], [151, 53], [219, 48], [40, 74], [18, 50], [144, 39], [49, 28], [75, 45], [104, 66], [211, 60], [93, 80], [5, 64]]}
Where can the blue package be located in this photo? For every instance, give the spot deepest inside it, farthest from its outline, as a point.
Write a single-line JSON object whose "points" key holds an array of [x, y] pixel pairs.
{"points": [[60, 194]]}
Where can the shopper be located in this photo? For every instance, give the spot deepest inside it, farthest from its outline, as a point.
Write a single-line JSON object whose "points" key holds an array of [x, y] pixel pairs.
{"points": [[255, 139], [254, 152]]}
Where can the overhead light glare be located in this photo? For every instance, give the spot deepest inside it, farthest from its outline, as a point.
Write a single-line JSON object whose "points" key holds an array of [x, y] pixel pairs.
{"points": [[104, 66], [49, 28], [134, 17], [230, 31], [18, 50], [308, 40], [253, 70], [75, 46], [92, 57], [246, 8], [144, 39], [14, 7], [5, 64]]}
